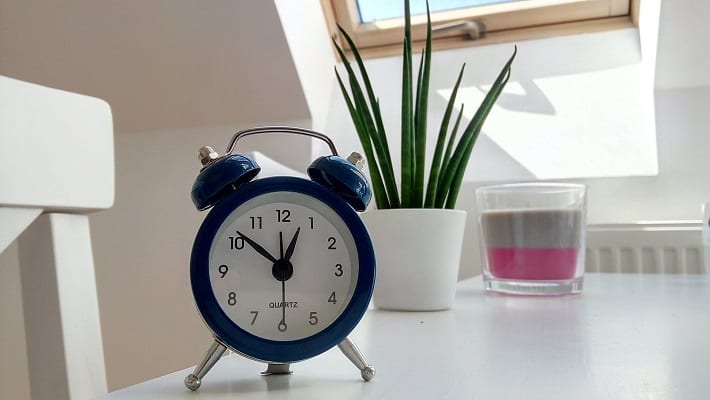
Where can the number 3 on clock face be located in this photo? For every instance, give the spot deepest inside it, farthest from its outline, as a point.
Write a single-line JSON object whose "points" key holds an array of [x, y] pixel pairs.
{"points": [[282, 269]]}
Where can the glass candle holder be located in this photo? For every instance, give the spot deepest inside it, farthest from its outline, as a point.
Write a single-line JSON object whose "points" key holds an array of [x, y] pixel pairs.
{"points": [[532, 237]]}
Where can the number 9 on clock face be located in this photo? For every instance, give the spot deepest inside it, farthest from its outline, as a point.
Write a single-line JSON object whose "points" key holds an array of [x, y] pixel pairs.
{"points": [[282, 271]]}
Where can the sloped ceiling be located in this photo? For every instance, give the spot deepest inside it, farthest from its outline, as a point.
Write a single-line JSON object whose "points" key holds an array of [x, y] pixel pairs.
{"points": [[161, 64]]}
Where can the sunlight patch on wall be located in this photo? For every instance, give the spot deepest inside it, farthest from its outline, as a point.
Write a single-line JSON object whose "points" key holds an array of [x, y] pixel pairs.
{"points": [[573, 126]]}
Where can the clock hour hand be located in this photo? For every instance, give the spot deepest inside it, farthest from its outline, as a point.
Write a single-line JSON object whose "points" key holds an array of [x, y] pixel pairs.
{"points": [[257, 247], [292, 245]]}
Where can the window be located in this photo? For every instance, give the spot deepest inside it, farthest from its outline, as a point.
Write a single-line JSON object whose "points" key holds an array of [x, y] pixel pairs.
{"points": [[376, 26]]}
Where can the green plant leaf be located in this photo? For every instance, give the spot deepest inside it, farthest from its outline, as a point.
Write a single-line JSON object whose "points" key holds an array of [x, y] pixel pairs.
{"points": [[450, 146], [379, 136], [421, 113], [436, 164], [418, 92], [377, 186], [366, 131], [407, 145], [459, 159], [369, 127]]}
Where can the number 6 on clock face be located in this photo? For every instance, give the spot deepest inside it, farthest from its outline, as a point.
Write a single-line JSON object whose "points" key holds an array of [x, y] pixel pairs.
{"points": [[282, 269]]}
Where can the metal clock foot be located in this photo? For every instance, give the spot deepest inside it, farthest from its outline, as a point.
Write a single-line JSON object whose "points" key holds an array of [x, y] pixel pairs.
{"points": [[351, 351], [277, 369], [213, 354]]}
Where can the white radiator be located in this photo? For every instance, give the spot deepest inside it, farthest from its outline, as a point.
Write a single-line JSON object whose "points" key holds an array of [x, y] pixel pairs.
{"points": [[653, 247]]}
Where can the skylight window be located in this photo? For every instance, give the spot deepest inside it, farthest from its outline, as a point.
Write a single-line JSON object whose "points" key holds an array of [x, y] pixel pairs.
{"points": [[376, 25]]}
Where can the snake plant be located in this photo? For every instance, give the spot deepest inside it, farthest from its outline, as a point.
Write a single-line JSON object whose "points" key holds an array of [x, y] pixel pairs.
{"points": [[452, 150]]}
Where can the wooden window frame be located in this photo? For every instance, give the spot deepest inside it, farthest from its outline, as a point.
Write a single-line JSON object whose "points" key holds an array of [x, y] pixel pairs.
{"points": [[504, 22]]}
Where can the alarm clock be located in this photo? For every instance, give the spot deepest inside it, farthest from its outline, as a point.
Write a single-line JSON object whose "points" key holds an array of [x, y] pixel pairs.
{"points": [[282, 268]]}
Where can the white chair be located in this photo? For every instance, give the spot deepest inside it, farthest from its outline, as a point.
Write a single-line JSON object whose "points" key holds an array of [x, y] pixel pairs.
{"points": [[56, 166]]}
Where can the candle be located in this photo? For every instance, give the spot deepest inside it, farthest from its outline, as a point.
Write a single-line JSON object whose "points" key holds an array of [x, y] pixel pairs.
{"points": [[532, 237], [532, 244]]}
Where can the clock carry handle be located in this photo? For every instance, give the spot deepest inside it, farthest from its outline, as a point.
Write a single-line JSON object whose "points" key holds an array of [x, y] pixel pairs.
{"points": [[224, 174], [279, 129]]}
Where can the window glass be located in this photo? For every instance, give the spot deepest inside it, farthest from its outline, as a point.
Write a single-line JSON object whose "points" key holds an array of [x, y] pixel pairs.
{"points": [[374, 10]]}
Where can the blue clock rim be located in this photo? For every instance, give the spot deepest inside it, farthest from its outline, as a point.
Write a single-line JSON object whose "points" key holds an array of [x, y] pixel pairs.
{"points": [[256, 347]]}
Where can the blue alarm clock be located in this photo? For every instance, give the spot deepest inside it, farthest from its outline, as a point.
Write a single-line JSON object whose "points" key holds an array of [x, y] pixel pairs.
{"points": [[282, 268]]}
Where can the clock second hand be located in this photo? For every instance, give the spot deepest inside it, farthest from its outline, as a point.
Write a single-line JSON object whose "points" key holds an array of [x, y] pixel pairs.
{"points": [[282, 324], [283, 270]]}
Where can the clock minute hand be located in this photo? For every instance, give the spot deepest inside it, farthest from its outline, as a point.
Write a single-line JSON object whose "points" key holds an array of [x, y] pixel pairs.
{"points": [[281, 245], [257, 247], [292, 245]]}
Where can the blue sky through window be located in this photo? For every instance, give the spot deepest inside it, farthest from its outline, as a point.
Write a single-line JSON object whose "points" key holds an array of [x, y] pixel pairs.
{"points": [[373, 10]]}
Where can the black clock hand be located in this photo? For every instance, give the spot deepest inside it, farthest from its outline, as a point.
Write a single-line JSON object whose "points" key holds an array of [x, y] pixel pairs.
{"points": [[258, 248], [292, 245], [282, 271], [281, 244], [282, 324]]}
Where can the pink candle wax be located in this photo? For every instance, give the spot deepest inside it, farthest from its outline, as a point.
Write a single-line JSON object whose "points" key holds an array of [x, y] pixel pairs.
{"points": [[533, 263]]}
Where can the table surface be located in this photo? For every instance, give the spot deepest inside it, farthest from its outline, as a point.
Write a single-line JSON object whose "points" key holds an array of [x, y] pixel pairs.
{"points": [[626, 337]]}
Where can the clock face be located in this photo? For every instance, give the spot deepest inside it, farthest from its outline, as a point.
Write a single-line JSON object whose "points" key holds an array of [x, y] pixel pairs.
{"points": [[283, 266]]}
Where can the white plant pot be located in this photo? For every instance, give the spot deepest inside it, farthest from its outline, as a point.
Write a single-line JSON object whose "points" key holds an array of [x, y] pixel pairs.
{"points": [[417, 253]]}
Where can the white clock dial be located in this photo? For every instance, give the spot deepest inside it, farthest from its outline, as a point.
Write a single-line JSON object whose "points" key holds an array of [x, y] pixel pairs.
{"points": [[283, 266]]}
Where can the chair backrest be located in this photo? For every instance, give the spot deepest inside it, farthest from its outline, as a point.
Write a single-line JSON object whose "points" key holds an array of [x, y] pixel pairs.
{"points": [[56, 148], [56, 154]]}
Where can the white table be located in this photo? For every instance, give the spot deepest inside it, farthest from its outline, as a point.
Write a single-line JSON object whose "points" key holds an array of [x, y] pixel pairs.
{"points": [[625, 337]]}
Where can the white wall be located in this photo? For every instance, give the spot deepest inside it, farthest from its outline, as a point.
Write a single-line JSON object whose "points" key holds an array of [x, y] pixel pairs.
{"points": [[309, 42], [681, 98], [161, 64], [682, 43], [14, 380], [682, 185]]}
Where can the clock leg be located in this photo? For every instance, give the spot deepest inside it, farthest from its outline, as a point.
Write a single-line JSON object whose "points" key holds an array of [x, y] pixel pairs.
{"points": [[213, 354], [349, 348], [277, 369]]}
